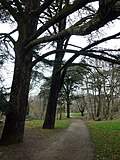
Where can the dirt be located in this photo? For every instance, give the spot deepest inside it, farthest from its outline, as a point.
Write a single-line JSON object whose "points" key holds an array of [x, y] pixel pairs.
{"points": [[72, 143]]}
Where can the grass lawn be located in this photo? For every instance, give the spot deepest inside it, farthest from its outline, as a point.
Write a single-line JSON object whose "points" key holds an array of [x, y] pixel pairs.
{"points": [[59, 125], [72, 114], [76, 114], [106, 137]]}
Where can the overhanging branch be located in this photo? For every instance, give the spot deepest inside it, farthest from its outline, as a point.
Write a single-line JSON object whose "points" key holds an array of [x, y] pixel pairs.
{"points": [[95, 23], [85, 52], [61, 15]]}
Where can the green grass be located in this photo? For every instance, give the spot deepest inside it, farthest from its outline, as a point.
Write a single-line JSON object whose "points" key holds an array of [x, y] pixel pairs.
{"points": [[72, 114], [33, 123], [106, 137], [37, 124], [76, 114], [62, 124], [59, 124]]}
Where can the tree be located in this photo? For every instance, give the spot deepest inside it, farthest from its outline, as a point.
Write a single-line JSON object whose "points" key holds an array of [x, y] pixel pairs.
{"points": [[44, 94], [72, 82], [80, 103], [31, 32], [101, 90], [94, 87], [61, 105], [56, 76]]}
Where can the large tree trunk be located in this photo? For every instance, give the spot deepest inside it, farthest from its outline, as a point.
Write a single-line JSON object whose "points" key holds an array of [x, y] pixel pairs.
{"points": [[15, 119], [14, 125], [49, 122], [56, 85], [57, 81]]}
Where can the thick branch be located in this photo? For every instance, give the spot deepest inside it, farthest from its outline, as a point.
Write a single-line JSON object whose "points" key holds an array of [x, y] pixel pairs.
{"points": [[95, 23], [82, 52], [85, 53], [40, 58], [61, 15]]}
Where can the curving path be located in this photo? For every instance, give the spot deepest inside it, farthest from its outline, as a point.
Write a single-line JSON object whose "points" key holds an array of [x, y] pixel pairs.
{"points": [[71, 144]]}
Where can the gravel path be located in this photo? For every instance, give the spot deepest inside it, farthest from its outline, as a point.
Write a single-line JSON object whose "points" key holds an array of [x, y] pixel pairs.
{"points": [[71, 144]]}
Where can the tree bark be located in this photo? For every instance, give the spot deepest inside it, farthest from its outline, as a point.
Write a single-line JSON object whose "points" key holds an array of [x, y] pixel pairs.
{"points": [[57, 81], [56, 85], [82, 112], [68, 110], [49, 122], [15, 120], [14, 125]]}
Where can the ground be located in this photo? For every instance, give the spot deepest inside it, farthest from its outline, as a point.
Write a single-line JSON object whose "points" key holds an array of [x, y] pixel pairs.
{"points": [[72, 143]]}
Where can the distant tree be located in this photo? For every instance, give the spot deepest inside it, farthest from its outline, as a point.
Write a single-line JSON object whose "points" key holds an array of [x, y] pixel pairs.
{"points": [[80, 103], [102, 89], [94, 87], [61, 102], [72, 82], [44, 94]]}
